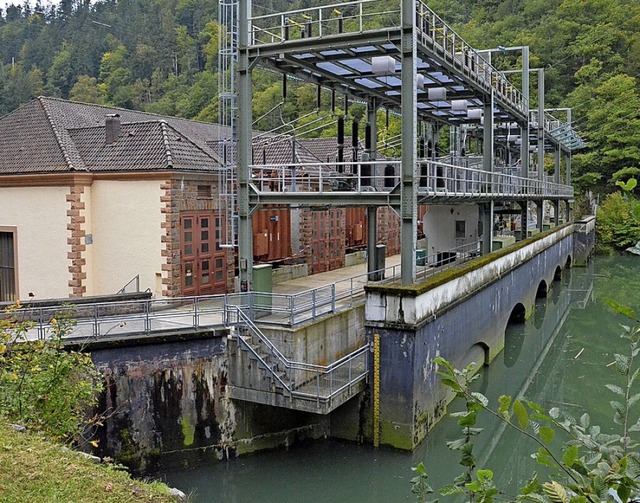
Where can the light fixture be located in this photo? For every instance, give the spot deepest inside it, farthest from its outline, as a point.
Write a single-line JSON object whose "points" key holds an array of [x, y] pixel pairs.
{"points": [[383, 65], [419, 81], [459, 105], [437, 93]]}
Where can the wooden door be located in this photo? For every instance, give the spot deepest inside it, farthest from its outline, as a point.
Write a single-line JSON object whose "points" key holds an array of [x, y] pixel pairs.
{"points": [[203, 264]]}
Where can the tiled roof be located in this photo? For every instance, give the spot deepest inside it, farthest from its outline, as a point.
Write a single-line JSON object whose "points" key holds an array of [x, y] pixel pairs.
{"points": [[53, 135], [326, 149], [140, 146], [37, 138], [28, 142]]}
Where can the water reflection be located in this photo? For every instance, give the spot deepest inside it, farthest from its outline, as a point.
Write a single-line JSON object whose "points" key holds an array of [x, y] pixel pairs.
{"points": [[551, 359]]}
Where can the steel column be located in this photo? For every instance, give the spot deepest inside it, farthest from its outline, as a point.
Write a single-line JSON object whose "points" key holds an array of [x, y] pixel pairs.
{"points": [[245, 234], [568, 166], [372, 239], [408, 198], [486, 210], [541, 123], [524, 151], [372, 211]]}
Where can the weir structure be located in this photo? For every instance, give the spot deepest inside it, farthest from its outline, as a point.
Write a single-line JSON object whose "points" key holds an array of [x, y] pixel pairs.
{"points": [[357, 362], [407, 62]]}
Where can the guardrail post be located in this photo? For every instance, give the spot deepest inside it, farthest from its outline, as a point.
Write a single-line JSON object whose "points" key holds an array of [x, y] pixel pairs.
{"points": [[147, 322], [333, 296], [41, 331], [291, 310], [96, 326], [196, 313], [313, 304]]}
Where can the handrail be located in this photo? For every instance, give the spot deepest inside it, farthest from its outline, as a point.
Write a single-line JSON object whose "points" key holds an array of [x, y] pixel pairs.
{"points": [[136, 280], [432, 178], [309, 373], [352, 17]]}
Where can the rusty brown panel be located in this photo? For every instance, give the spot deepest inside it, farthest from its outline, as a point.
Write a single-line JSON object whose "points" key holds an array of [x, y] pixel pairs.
{"points": [[272, 233], [356, 228]]}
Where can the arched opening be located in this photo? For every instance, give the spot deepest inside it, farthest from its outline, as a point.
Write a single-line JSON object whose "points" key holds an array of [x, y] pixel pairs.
{"points": [[542, 290], [518, 314], [540, 311], [513, 342], [568, 263], [557, 275], [478, 355]]}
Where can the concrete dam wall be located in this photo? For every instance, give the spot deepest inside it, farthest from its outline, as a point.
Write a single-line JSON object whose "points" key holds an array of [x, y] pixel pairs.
{"points": [[168, 401], [462, 319]]}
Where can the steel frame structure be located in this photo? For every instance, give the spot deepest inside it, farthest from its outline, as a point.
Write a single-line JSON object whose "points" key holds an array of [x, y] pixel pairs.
{"points": [[331, 47]]}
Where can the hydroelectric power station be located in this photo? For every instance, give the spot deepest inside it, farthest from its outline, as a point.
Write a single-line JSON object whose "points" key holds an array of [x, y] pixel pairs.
{"points": [[196, 378]]}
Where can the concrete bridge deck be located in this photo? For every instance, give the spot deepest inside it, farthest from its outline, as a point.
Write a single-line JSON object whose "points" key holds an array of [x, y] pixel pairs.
{"points": [[317, 295]]}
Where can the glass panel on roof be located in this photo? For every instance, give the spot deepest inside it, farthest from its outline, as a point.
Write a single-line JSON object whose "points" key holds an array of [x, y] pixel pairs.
{"points": [[332, 52], [390, 80], [306, 55], [366, 48], [371, 84], [335, 69], [357, 64]]}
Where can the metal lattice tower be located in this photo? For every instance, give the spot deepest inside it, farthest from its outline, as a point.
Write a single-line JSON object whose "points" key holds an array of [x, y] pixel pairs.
{"points": [[227, 110]]}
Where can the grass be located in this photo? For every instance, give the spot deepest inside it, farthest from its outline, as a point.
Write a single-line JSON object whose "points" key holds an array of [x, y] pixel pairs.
{"points": [[33, 469]]}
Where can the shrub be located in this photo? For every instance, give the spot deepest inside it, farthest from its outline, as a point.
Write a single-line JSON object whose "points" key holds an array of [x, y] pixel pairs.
{"points": [[616, 226], [43, 386]]}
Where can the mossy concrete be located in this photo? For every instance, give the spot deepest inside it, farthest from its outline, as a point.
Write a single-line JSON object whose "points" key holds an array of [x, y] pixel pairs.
{"points": [[461, 315]]}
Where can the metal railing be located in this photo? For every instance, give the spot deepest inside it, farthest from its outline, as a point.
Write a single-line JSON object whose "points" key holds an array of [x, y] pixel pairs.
{"points": [[299, 379], [124, 318], [433, 178], [352, 17], [135, 281]]}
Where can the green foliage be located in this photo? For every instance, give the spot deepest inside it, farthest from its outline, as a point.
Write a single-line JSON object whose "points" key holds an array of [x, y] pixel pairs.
{"points": [[43, 386], [617, 226], [589, 466]]}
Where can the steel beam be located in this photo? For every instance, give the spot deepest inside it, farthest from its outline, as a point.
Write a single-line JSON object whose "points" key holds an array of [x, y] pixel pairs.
{"points": [[244, 90], [408, 199]]}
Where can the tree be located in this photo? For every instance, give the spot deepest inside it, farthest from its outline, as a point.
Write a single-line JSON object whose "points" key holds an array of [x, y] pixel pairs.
{"points": [[61, 76], [86, 90], [115, 77], [612, 113]]}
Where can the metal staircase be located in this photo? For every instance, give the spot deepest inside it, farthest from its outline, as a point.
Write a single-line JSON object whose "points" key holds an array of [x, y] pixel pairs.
{"points": [[260, 373]]}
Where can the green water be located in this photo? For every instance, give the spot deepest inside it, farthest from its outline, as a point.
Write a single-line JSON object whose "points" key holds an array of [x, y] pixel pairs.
{"points": [[558, 358]]}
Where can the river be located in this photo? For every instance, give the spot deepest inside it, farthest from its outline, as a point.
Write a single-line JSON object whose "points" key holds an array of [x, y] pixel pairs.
{"points": [[559, 358]]}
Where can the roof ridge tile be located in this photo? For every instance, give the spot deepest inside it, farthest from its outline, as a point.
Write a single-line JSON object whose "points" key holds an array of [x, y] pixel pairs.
{"points": [[58, 136]]}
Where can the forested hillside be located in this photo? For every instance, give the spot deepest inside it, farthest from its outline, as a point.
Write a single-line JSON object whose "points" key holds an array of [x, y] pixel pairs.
{"points": [[161, 56]]}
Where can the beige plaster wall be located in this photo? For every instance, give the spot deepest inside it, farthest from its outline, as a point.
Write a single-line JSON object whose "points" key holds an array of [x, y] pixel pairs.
{"points": [[40, 215], [126, 231], [89, 282]]}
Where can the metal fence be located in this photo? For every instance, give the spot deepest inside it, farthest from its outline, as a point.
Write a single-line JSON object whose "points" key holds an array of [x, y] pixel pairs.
{"points": [[123, 318], [299, 379]]}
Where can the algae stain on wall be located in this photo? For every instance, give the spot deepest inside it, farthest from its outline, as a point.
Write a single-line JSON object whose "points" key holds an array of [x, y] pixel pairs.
{"points": [[165, 403]]}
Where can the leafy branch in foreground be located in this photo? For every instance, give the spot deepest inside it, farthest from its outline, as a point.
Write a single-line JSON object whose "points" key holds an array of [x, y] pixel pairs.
{"points": [[591, 466], [44, 386]]}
